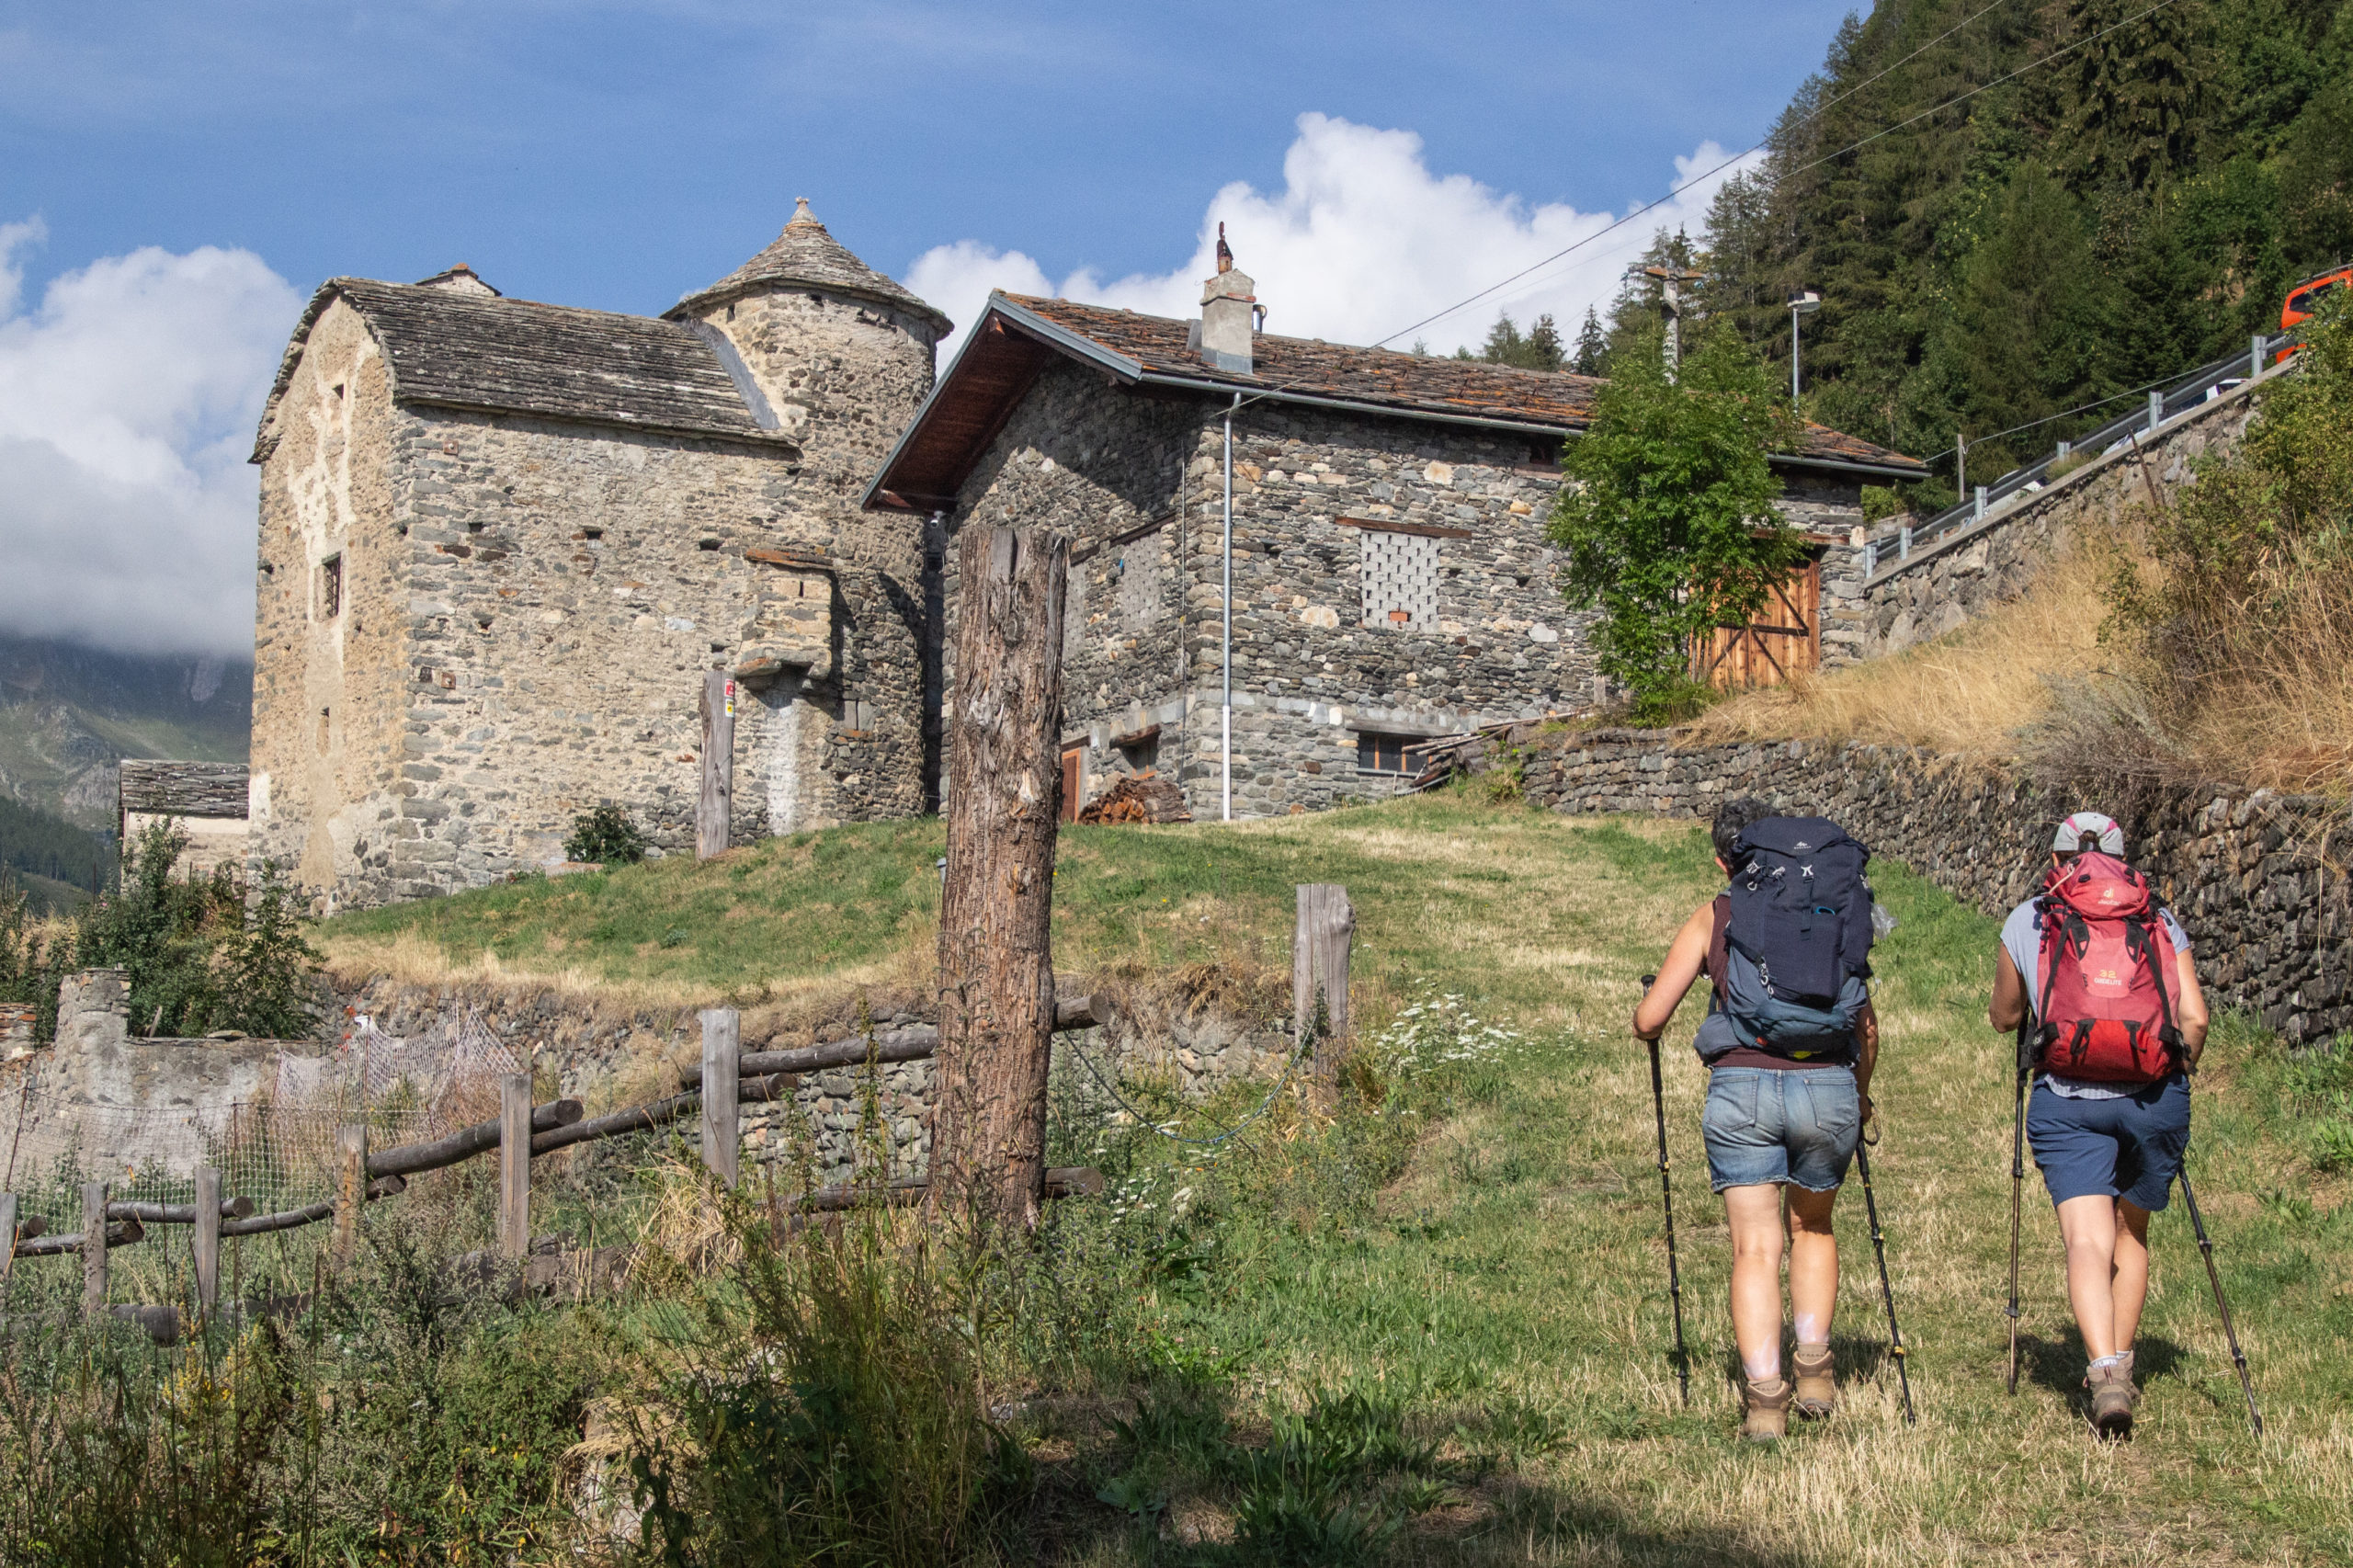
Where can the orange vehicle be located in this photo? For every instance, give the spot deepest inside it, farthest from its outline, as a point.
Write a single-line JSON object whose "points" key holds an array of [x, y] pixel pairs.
{"points": [[2305, 299]]}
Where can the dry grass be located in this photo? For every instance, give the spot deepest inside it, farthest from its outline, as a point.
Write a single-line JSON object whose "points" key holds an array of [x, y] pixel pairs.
{"points": [[1969, 692]]}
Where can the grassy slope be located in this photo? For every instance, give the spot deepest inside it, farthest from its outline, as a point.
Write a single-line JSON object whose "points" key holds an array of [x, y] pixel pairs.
{"points": [[1513, 1277]]}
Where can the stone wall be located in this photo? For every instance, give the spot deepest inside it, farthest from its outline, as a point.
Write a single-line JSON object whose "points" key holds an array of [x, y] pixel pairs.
{"points": [[2273, 930], [1938, 586]]}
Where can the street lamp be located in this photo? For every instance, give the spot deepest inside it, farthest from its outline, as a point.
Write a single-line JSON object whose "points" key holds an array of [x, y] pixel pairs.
{"points": [[1804, 302]]}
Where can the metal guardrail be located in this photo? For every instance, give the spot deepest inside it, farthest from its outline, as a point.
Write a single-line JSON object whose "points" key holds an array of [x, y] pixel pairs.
{"points": [[2208, 382]]}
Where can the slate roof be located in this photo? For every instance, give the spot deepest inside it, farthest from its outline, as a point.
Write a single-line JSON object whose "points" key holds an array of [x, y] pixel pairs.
{"points": [[1018, 334], [183, 789], [807, 253], [453, 350]]}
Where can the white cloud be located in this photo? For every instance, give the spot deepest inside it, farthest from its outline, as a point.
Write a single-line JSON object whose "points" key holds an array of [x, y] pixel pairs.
{"points": [[128, 399], [1362, 242]]}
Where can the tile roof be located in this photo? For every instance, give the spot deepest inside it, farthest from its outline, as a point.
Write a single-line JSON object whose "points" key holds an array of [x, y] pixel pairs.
{"points": [[806, 253], [183, 789], [1018, 334], [460, 349]]}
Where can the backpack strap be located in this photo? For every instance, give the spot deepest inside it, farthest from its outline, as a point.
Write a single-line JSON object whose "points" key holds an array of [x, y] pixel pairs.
{"points": [[2140, 944], [2054, 941]]}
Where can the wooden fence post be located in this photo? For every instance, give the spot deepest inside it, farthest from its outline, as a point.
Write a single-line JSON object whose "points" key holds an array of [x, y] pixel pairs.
{"points": [[8, 1234], [997, 972], [1319, 962], [94, 1250], [717, 800], [351, 1188], [721, 1049], [207, 1239], [515, 1164]]}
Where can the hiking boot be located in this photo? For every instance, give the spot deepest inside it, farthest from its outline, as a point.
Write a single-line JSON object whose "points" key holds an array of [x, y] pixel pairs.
{"points": [[1817, 1393], [2113, 1398], [1768, 1416]]}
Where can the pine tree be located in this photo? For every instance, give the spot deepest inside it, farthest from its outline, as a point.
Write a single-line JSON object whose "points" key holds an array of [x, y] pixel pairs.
{"points": [[1592, 348], [2139, 88]]}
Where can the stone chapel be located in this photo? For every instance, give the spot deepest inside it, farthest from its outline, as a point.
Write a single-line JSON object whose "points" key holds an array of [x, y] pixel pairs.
{"points": [[501, 542]]}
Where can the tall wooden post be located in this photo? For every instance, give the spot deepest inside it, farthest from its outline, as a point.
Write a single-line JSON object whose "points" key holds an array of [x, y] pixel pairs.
{"points": [[207, 1239], [722, 1134], [997, 971], [717, 800], [1319, 960], [515, 1164], [351, 1188], [8, 1234], [94, 1249]]}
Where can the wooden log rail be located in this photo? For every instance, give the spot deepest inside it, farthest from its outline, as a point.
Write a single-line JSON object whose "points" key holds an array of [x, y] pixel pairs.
{"points": [[763, 1075]]}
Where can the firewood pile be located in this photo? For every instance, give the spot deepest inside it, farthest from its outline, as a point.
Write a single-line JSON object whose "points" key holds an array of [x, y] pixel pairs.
{"points": [[1138, 798], [1446, 758]]}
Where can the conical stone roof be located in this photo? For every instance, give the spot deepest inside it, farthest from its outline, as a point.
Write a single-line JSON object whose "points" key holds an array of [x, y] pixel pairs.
{"points": [[806, 255]]}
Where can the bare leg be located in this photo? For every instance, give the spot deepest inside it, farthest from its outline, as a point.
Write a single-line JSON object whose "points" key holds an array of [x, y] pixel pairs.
{"points": [[1754, 1215], [1813, 1262], [2089, 1226], [2129, 1285]]}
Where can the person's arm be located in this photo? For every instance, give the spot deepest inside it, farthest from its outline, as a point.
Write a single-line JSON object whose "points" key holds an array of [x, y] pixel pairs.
{"points": [[1684, 960], [1866, 1053], [2007, 1010], [2189, 1015]]}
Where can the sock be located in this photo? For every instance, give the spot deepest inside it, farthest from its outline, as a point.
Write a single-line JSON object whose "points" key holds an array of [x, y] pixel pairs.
{"points": [[2105, 1361], [1812, 1351]]}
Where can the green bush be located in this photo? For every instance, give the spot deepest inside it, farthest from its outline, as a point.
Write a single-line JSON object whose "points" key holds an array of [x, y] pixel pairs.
{"points": [[605, 836], [1882, 502]]}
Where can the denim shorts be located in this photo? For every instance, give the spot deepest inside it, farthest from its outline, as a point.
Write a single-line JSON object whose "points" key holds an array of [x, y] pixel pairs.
{"points": [[1764, 1124], [2129, 1147]]}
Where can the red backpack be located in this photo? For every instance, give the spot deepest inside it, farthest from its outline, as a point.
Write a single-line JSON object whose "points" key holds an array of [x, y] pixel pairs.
{"points": [[2105, 1013]]}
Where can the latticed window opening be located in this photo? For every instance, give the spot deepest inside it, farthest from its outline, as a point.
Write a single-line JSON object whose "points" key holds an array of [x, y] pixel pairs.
{"points": [[1400, 580]]}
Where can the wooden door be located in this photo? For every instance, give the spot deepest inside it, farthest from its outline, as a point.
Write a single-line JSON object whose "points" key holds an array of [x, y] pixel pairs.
{"points": [[1071, 758], [1785, 640]]}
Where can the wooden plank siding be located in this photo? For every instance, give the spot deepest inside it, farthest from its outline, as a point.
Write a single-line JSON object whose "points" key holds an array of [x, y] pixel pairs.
{"points": [[1785, 641]]}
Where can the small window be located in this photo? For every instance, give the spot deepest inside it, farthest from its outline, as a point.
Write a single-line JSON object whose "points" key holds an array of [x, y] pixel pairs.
{"points": [[330, 587], [1381, 754]]}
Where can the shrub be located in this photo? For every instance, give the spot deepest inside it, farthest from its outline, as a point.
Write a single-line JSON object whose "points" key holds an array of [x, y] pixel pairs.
{"points": [[605, 836], [1882, 502], [202, 953]]}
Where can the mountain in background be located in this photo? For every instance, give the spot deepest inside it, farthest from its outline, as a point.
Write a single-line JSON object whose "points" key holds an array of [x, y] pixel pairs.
{"points": [[2133, 207], [68, 714]]}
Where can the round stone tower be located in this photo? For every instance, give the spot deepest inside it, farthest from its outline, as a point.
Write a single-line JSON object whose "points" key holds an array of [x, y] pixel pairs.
{"points": [[840, 354], [832, 353]]}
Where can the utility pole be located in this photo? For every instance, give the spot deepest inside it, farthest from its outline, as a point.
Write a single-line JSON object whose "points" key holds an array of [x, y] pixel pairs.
{"points": [[1961, 462], [1670, 288]]}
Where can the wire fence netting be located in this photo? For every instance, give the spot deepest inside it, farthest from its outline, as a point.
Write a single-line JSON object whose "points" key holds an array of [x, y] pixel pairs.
{"points": [[273, 1139]]}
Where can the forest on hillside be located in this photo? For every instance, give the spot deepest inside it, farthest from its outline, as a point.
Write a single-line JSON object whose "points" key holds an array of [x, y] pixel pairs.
{"points": [[2130, 191]]}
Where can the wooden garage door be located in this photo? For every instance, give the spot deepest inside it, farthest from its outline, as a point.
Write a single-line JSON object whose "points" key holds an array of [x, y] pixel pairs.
{"points": [[1783, 640]]}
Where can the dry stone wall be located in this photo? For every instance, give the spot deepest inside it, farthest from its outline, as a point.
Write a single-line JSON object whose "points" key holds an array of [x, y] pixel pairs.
{"points": [[2272, 927]]}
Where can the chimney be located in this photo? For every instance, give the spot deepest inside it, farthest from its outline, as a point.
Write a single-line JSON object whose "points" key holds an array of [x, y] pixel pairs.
{"points": [[1228, 312]]}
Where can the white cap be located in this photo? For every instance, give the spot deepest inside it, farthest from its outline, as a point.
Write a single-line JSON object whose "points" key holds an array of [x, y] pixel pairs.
{"points": [[2071, 834]]}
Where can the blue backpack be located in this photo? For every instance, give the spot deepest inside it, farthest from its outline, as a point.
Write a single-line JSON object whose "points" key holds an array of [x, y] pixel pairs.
{"points": [[1792, 941]]}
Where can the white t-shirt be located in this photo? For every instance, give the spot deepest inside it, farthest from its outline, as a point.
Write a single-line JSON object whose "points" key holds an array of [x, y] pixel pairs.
{"points": [[2022, 939]]}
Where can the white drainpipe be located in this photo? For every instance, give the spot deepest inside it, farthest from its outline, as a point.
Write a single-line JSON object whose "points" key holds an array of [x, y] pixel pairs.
{"points": [[1225, 754]]}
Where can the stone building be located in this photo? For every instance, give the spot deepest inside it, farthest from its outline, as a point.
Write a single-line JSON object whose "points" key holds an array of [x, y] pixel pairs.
{"points": [[501, 543], [1392, 576], [206, 802]]}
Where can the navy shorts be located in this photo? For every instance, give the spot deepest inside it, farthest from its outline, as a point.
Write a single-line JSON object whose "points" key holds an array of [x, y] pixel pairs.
{"points": [[2129, 1147], [1765, 1124]]}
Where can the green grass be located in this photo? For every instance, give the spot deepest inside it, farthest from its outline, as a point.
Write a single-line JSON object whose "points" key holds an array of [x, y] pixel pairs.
{"points": [[1442, 1336]]}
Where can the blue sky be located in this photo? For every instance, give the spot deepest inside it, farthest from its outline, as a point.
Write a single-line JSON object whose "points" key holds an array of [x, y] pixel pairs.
{"points": [[1376, 160]]}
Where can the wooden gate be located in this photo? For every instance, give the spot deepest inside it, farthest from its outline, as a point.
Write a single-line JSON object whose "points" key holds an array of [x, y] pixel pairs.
{"points": [[1785, 638], [1074, 760]]}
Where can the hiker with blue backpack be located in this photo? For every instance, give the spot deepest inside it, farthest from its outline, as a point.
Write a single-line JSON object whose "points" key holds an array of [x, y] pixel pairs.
{"points": [[1791, 1041], [2096, 977]]}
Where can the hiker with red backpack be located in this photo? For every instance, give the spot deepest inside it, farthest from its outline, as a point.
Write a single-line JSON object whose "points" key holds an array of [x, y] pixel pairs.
{"points": [[1791, 1041], [2096, 977]]}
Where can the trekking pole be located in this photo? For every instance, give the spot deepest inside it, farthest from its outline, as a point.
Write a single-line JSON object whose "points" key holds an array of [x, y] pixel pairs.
{"points": [[2018, 1195], [1667, 1200], [2214, 1278], [1886, 1291]]}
